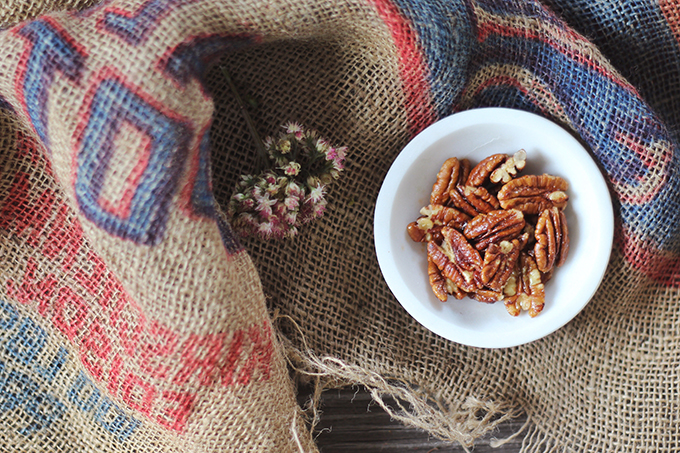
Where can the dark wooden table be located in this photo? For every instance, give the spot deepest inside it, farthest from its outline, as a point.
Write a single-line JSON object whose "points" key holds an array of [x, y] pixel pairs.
{"points": [[352, 422]]}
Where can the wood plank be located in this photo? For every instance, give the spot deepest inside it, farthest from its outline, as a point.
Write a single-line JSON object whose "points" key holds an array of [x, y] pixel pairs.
{"points": [[352, 422]]}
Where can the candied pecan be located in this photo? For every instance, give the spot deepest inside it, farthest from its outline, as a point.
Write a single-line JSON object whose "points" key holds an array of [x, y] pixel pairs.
{"points": [[445, 216], [527, 291], [460, 249], [499, 261], [480, 198], [509, 169], [448, 268], [437, 280], [487, 296], [447, 178], [552, 239], [473, 200], [546, 246], [481, 172], [433, 217], [496, 226], [460, 202], [497, 168], [546, 276], [512, 308], [464, 172], [442, 286], [457, 259], [415, 233], [510, 293], [532, 194]]}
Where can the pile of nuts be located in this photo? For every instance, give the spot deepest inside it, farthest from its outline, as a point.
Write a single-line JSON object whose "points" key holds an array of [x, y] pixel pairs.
{"points": [[492, 235]]}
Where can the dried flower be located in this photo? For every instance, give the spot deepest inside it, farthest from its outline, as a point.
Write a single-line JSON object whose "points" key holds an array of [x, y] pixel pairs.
{"points": [[316, 193], [292, 191], [291, 169], [275, 203]]}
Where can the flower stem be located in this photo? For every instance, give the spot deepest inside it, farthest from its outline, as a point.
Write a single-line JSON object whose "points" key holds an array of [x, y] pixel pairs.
{"points": [[259, 144]]}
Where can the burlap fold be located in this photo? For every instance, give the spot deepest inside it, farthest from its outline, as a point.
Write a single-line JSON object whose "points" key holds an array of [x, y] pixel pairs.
{"points": [[133, 319]]}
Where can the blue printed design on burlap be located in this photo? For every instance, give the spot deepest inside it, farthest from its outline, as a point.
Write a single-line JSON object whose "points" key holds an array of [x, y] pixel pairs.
{"points": [[444, 31], [113, 104], [50, 51], [625, 32], [135, 28], [191, 58], [87, 398], [202, 199], [28, 367]]}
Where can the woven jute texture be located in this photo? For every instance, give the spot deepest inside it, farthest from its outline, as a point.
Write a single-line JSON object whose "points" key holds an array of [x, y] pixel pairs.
{"points": [[15, 11], [132, 318]]}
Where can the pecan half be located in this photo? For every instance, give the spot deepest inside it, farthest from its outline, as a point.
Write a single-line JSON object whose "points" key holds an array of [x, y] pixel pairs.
{"points": [[442, 286], [447, 178], [532, 194], [465, 167], [445, 216], [433, 217], [456, 259], [527, 291], [466, 256], [496, 226], [509, 169], [510, 293], [480, 174], [415, 233], [487, 296], [552, 239], [473, 200], [499, 262], [437, 280], [497, 168]]}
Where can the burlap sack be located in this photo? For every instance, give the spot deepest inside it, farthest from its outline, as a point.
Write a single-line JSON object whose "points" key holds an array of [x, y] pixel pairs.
{"points": [[132, 320]]}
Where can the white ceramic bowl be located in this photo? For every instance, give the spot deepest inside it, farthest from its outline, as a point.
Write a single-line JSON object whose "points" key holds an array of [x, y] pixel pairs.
{"points": [[476, 134]]}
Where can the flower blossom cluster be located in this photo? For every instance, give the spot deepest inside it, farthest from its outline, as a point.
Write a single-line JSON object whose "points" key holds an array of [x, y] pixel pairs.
{"points": [[277, 202]]}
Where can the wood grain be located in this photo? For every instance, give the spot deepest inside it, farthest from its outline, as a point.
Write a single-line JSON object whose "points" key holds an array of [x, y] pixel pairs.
{"points": [[352, 422]]}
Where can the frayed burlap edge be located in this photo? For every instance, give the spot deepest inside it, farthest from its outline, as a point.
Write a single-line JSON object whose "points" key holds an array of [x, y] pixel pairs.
{"points": [[465, 423]]}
